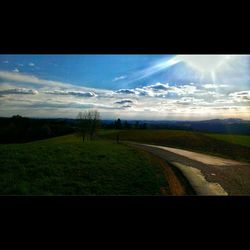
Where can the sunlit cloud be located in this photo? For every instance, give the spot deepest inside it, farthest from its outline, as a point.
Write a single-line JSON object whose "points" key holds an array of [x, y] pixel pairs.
{"points": [[215, 86], [224, 91]]}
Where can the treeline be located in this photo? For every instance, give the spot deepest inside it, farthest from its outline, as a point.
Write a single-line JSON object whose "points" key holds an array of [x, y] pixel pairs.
{"points": [[119, 124], [19, 129]]}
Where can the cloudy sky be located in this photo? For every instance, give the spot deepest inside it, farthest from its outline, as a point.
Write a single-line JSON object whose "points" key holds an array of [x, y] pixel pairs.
{"points": [[169, 87]]}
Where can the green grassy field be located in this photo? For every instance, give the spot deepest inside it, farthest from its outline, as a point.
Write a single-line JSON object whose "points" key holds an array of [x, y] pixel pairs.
{"points": [[66, 166], [243, 140], [234, 146]]}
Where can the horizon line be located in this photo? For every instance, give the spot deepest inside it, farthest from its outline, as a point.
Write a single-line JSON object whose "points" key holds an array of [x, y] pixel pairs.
{"points": [[110, 119]]}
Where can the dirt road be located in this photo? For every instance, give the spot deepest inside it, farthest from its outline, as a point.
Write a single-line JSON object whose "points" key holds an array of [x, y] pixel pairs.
{"points": [[209, 174]]}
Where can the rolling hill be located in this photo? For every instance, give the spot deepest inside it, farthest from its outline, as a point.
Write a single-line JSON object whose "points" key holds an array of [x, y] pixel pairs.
{"points": [[66, 166], [200, 142]]}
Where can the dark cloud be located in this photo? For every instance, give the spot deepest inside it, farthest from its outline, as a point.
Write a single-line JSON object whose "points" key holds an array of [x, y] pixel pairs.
{"points": [[143, 92], [127, 106], [184, 102], [158, 86], [124, 102], [19, 91], [125, 91], [246, 97], [60, 105], [242, 96], [242, 93]]}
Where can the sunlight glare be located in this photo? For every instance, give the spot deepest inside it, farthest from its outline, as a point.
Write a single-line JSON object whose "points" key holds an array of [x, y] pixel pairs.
{"points": [[204, 63]]}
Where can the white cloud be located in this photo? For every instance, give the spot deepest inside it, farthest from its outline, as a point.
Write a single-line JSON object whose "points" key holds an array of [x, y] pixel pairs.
{"points": [[118, 78], [19, 91], [73, 93], [31, 64], [158, 86], [157, 101], [58, 104], [49, 85], [163, 90], [25, 78], [15, 70], [215, 86], [187, 89]]}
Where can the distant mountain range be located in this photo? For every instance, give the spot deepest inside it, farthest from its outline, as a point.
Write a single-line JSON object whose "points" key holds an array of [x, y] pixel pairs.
{"points": [[231, 126], [227, 126]]}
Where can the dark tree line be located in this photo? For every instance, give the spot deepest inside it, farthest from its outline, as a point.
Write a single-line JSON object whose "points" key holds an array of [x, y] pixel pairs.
{"points": [[19, 129], [119, 124]]}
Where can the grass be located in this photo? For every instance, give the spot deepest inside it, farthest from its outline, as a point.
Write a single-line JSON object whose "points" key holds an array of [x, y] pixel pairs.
{"points": [[200, 142], [67, 166], [243, 140]]}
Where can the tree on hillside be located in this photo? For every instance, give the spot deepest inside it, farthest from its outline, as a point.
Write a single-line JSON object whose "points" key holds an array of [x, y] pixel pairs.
{"points": [[45, 131], [95, 123], [143, 126], [126, 125], [88, 123], [136, 126], [118, 124]]}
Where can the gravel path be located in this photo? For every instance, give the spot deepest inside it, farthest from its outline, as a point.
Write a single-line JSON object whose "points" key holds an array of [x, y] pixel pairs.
{"points": [[233, 176]]}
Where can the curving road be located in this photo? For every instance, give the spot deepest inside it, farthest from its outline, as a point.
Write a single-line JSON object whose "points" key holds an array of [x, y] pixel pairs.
{"points": [[209, 175]]}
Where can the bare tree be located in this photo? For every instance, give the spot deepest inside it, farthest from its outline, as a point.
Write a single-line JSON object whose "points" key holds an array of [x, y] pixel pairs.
{"points": [[95, 123], [89, 122]]}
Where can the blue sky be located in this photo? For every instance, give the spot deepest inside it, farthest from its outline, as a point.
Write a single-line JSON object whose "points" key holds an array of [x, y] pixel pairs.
{"points": [[127, 86], [89, 70]]}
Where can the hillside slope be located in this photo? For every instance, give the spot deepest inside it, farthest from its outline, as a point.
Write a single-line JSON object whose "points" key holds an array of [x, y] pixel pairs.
{"points": [[66, 166], [196, 141], [243, 140]]}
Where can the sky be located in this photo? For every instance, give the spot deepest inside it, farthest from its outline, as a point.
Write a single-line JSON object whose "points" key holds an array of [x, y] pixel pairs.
{"points": [[149, 87]]}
